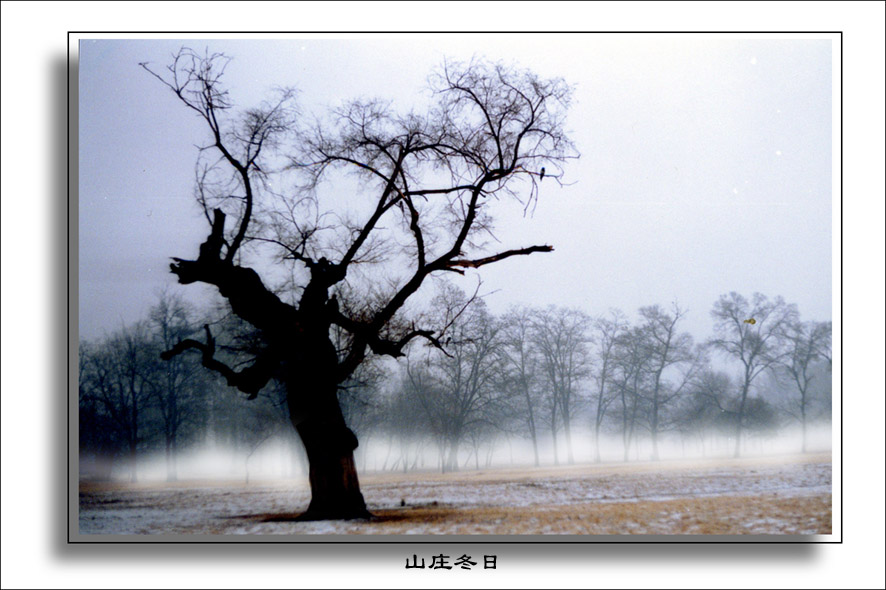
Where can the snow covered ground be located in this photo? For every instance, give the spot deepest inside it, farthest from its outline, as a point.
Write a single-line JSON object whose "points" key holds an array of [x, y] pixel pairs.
{"points": [[776, 495]]}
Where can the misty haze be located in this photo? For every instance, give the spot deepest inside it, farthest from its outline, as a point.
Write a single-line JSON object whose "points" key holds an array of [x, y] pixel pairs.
{"points": [[488, 291]]}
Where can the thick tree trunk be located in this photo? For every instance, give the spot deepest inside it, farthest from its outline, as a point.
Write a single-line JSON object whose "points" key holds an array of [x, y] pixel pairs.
{"points": [[314, 410], [335, 490]]}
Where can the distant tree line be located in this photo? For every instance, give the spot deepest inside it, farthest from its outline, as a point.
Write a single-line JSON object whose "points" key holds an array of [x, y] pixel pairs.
{"points": [[132, 403], [537, 372], [532, 373]]}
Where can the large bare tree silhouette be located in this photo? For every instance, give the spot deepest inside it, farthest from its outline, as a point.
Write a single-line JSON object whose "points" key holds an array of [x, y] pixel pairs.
{"points": [[420, 207]]}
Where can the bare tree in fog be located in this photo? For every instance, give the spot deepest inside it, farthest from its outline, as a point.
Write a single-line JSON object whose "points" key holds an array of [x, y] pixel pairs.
{"points": [[257, 424], [175, 384], [408, 419], [630, 378], [704, 412], [426, 183], [520, 367], [99, 434], [752, 333], [116, 388], [825, 343], [666, 348], [458, 389], [807, 343], [561, 336], [606, 331]]}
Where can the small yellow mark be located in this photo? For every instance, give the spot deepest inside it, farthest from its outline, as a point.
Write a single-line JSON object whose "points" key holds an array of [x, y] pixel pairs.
{"points": [[751, 321]]}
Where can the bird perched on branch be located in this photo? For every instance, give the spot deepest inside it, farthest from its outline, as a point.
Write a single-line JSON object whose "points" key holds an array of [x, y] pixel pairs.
{"points": [[541, 174]]}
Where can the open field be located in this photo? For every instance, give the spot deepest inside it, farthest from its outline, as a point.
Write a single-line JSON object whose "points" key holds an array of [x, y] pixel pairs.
{"points": [[771, 495]]}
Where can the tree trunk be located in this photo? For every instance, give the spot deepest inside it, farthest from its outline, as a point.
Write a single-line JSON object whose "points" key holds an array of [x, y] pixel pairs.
{"points": [[624, 426], [803, 418], [133, 439], [315, 412], [171, 471], [531, 423], [335, 490], [133, 467], [744, 397], [566, 428], [452, 461], [554, 433], [597, 442], [655, 427]]}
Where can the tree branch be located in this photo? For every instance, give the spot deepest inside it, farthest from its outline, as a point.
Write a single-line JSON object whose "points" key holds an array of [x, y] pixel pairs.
{"points": [[495, 258], [250, 380], [240, 285]]}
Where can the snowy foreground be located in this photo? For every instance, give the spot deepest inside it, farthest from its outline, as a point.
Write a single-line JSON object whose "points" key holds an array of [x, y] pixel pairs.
{"points": [[772, 495]]}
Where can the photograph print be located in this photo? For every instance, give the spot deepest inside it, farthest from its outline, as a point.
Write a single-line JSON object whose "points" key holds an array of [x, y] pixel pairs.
{"points": [[496, 286]]}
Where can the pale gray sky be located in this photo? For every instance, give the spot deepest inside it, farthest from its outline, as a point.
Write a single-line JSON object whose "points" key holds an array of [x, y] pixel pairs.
{"points": [[706, 165]]}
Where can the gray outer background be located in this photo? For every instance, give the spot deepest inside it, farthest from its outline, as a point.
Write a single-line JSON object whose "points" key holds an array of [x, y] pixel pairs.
{"points": [[34, 297]]}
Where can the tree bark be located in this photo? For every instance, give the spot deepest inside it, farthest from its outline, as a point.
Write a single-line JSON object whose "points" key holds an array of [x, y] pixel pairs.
{"points": [[335, 490], [315, 413]]}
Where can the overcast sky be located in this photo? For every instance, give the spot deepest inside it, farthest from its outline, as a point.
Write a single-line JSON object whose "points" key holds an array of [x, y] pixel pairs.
{"points": [[705, 165]]}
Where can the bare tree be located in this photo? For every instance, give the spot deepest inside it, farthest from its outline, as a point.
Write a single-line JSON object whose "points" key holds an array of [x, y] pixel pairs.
{"points": [[752, 333], [630, 379], [807, 342], [408, 420], [116, 377], [707, 410], [99, 432], [825, 343], [606, 332], [666, 348], [521, 367], [425, 185], [560, 336], [458, 389], [175, 385]]}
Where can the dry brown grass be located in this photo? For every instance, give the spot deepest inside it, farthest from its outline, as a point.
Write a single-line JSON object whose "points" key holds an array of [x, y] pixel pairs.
{"points": [[691, 516]]}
